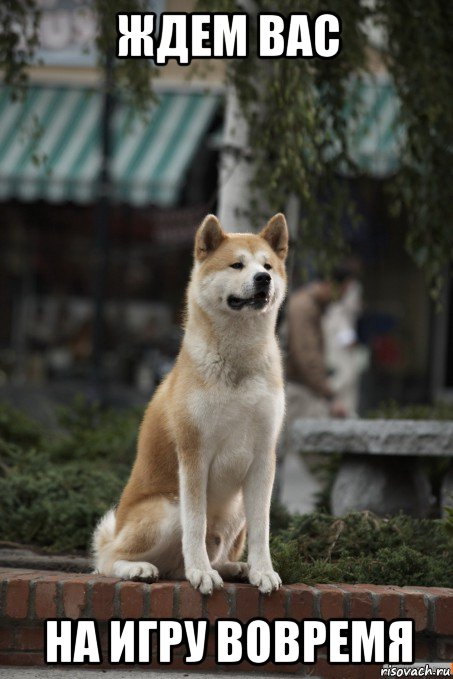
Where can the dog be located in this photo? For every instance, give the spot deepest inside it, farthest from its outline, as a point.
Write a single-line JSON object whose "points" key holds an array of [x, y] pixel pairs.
{"points": [[205, 463]]}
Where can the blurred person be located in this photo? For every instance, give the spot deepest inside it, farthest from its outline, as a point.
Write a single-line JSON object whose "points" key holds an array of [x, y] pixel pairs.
{"points": [[309, 391], [346, 359]]}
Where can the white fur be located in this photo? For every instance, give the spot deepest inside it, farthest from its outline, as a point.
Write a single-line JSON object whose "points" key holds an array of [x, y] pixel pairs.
{"points": [[103, 537], [135, 570], [166, 552]]}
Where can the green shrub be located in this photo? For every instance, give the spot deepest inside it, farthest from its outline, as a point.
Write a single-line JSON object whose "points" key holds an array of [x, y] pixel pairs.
{"points": [[53, 490], [16, 427], [391, 410], [92, 433], [54, 506], [361, 547]]}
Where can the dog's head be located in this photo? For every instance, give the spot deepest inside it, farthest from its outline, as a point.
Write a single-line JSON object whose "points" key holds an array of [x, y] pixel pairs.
{"points": [[240, 273]]}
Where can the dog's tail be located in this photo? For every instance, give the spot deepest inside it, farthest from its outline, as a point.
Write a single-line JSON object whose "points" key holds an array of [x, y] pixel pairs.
{"points": [[102, 542]]}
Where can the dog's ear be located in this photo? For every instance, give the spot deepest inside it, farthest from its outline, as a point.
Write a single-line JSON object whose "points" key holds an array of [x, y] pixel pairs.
{"points": [[209, 236], [276, 234]]}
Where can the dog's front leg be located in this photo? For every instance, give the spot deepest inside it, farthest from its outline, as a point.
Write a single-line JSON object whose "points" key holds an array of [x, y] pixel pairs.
{"points": [[193, 488], [257, 501]]}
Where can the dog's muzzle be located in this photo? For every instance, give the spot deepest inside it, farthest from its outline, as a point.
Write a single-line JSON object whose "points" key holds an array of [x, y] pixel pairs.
{"points": [[260, 298], [262, 280]]}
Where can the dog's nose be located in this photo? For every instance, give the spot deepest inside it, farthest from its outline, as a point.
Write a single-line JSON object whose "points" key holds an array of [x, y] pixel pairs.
{"points": [[262, 279]]}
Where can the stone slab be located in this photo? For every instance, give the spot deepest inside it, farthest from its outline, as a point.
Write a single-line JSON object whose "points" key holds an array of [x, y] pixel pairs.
{"points": [[374, 437]]}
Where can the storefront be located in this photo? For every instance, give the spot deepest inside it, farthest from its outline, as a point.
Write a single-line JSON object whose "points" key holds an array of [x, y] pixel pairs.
{"points": [[163, 178]]}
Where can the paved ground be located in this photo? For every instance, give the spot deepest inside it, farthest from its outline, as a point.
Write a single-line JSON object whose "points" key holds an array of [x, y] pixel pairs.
{"points": [[76, 673]]}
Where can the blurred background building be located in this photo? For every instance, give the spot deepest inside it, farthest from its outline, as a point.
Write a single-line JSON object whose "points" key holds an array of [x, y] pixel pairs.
{"points": [[162, 178]]}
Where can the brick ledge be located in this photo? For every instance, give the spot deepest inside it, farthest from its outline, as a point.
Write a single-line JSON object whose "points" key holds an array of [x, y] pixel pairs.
{"points": [[27, 597]]}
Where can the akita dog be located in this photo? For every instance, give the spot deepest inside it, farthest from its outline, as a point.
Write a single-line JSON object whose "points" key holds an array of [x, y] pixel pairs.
{"points": [[206, 451]]}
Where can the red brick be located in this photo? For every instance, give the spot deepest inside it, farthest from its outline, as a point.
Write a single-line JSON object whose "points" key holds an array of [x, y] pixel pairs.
{"points": [[131, 600], [103, 638], [247, 602], [53, 576], [46, 599], [25, 639], [161, 605], [331, 602], [17, 596], [74, 599], [422, 649], [301, 602], [389, 605], [445, 649], [375, 589], [210, 648], [273, 605], [103, 598], [360, 601], [361, 605], [30, 638], [22, 659], [190, 601], [444, 615], [6, 637], [435, 591], [218, 605], [415, 607], [7, 572]]}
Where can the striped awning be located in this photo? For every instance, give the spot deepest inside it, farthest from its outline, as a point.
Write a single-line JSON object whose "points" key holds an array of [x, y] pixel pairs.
{"points": [[50, 145], [375, 136]]}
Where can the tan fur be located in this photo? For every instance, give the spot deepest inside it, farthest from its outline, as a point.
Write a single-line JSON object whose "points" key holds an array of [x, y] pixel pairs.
{"points": [[206, 449], [238, 546]]}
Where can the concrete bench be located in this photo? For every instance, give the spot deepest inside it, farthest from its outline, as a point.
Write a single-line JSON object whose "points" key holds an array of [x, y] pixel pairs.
{"points": [[380, 470]]}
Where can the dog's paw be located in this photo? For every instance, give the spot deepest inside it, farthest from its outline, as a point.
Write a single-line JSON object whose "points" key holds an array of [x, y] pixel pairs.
{"points": [[267, 581], [135, 570], [234, 569], [204, 580]]}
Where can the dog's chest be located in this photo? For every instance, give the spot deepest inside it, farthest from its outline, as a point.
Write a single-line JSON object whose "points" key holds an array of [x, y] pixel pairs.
{"points": [[223, 412], [234, 423]]}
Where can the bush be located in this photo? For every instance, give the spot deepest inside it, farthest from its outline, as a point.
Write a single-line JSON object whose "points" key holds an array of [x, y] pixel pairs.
{"points": [[18, 428], [54, 489], [361, 547], [92, 433], [391, 410]]}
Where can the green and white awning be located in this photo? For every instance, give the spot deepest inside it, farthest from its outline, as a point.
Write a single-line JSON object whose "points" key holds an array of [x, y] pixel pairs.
{"points": [[50, 142], [374, 135], [50, 145]]}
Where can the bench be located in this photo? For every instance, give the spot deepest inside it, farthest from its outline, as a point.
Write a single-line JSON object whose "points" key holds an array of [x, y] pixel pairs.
{"points": [[381, 468]]}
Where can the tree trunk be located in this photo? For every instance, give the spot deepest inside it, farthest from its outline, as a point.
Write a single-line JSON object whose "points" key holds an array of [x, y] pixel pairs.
{"points": [[236, 168]]}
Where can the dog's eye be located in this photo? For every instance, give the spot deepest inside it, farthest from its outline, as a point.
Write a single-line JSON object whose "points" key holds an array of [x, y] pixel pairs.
{"points": [[237, 265], [268, 267]]}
